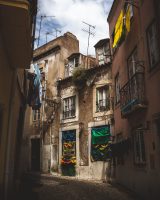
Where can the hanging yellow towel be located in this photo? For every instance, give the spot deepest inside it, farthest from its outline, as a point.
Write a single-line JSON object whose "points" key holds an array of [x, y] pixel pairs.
{"points": [[118, 29], [128, 16]]}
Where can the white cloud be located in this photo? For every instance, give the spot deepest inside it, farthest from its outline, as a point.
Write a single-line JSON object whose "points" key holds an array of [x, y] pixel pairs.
{"points": [[69, 15]]}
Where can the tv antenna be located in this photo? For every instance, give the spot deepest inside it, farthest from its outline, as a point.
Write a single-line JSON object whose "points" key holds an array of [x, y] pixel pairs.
{"points": [[51, 33], [40, 26], [90, 32]]}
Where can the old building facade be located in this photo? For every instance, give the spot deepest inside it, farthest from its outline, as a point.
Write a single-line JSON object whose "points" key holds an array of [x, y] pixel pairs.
{"points": [[17, 22], [71, 132], [86, 115], [134, 31], [42, 124]]}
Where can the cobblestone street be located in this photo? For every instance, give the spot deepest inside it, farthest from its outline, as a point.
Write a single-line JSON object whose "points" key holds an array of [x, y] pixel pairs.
{"points": [[69, 189]]}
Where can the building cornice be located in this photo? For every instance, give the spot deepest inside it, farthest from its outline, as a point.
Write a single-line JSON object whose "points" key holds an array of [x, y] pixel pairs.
{"points": [[17, 4]]}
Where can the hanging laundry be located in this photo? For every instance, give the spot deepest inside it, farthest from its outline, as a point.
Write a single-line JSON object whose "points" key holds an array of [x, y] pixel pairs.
{"points": [[118, 29], [128, 16], [122, 26], [35, 88]]}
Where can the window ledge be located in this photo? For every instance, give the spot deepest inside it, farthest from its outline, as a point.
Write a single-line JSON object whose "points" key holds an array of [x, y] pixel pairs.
{"points": [[69, 118]]}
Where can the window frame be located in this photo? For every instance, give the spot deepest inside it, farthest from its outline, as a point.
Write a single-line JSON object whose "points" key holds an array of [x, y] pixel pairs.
{"points": [[153, 22], [105, 98], [133, 53], [139, 149], [117, 100], [67, 107]]}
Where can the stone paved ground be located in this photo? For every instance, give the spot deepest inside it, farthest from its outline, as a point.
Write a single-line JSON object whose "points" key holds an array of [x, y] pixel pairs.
{"points": [[69, 189]]}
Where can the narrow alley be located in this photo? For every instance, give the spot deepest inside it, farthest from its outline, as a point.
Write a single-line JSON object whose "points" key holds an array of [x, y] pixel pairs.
{"points": [[63, 188], [79, 99]]}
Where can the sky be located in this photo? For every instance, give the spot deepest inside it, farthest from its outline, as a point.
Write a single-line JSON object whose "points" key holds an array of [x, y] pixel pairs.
{"points": [[69, 15]]}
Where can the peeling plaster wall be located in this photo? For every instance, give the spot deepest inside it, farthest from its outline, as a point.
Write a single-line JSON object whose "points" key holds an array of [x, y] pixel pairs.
{"points": [[85, 168]]}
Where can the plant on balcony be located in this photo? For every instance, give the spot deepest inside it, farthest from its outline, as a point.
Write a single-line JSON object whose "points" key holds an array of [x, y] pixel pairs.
{"points": [[79, 77]]}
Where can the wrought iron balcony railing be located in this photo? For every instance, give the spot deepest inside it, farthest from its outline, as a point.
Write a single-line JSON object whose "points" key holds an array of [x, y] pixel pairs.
{"points": [[69, 114], [104, 105], [132, 94]]}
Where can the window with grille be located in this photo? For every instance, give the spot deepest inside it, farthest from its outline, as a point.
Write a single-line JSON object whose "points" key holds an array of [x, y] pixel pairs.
{"points": [[153, 47], [139, 147], [102, 99], [117, 89], [69, 107], [132, 64]]}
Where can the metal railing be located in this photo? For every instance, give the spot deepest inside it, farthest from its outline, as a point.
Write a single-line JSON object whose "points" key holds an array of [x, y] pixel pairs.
{"points": [[69, 114], [132, 93], [104, 105]]}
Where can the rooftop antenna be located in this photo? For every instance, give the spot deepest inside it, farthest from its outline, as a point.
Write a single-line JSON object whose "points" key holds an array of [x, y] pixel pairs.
{"points": [[89, 33], [51, 33], [57, 31], [40, 26]]}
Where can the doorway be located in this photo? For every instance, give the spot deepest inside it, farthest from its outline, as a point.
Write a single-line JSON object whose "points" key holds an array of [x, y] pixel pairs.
{"points": [[35, 154]]}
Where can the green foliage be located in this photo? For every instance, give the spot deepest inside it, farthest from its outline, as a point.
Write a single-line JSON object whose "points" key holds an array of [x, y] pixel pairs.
{"points": [[79, 77]]}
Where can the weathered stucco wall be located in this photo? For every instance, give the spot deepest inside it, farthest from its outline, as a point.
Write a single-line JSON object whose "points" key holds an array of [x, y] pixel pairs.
{"points": [[144, 180]]}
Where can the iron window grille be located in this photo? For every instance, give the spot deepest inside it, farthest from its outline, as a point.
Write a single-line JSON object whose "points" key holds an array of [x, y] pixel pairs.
{"points": [[102, 99], [69, 107], [139, 147]]}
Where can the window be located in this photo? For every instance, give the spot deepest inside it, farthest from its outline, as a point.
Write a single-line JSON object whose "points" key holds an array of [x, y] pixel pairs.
{"points": [[69, 107], [139, 147], [153, 47], [100, 59], [74, 62], [117, 89], [103, 100], [131, 72], [132, 64], [36, 115], [107, 54]]}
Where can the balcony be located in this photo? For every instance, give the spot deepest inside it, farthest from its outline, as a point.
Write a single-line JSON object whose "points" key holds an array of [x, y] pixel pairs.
{"points": [[132, 94], [105, 105], [67, 114]]}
